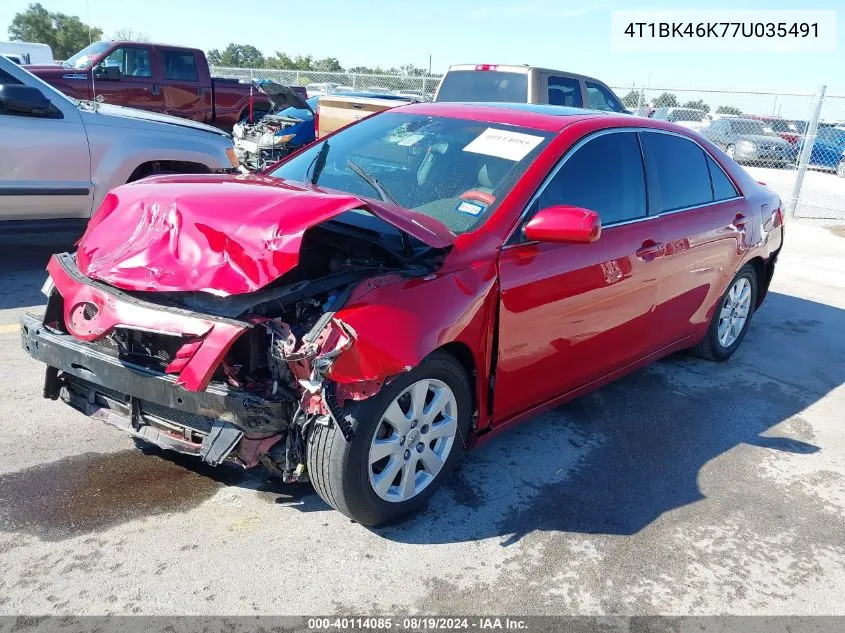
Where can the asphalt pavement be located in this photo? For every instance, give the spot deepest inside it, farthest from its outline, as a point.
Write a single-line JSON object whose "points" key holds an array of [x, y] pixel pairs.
{"points": [[689, 487]]}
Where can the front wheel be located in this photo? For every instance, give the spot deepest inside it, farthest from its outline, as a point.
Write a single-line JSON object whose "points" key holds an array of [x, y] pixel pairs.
{"points": [[732, 317], [408, 438]]}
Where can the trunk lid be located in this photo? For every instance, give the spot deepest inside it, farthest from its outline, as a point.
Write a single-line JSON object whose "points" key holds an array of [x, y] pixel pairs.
{"points": [[219, 234]]}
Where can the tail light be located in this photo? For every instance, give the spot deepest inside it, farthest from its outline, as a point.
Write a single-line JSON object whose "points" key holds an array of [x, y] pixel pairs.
{"points": [[777, 218], [317, 121], [486, 67]]}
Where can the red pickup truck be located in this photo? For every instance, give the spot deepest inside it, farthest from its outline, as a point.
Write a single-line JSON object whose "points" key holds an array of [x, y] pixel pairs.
{"points": [[169, 79]]}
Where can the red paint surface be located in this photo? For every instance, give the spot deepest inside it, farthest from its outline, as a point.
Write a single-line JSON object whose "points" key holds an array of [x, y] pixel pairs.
{"points": [[219, 234], [570, 316], [195, 372]]}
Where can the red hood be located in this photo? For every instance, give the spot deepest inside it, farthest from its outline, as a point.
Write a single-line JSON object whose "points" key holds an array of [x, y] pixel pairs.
{"points": [[219, 234]]}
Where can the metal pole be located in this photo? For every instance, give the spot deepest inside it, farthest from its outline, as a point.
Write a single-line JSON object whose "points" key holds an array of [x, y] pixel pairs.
{"points": [[806, 149]]}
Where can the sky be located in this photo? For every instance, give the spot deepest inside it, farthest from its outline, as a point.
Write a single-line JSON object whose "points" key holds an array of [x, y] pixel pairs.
{"points": [[573, 36]]}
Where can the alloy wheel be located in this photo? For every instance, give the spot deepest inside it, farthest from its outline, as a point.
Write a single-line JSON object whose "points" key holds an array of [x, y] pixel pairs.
{"points": [[413, 440], [735, 310]]}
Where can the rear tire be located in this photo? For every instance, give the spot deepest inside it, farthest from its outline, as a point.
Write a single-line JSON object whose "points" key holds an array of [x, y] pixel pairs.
{"points": [[725, 333], [343, 472]]}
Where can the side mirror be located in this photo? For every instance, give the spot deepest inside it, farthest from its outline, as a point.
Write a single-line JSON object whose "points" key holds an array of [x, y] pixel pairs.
{"points": [[564, 224], [109, 72], [24, 99]]}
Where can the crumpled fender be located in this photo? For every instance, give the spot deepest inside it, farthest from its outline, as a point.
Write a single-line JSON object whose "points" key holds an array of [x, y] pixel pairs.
{"points": [[398, 324]]}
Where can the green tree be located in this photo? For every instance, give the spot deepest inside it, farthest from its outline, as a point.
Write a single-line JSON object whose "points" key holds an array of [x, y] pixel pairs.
{"points": [[698, 104], [328, 65], [632, 99], [666, 100], [237, 56], [65, 34], [728, 110]]}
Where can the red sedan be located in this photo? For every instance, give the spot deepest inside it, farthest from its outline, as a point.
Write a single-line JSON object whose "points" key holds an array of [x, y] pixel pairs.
{"points": [[403, 289]]}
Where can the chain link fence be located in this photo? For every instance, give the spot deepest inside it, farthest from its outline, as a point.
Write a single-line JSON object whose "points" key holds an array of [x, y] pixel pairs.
{"points": [[315, 82], [792, 141]]}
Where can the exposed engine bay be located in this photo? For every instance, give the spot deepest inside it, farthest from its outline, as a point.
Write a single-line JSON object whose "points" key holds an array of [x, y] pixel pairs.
{"points": [[268, 388], [264, 141]]}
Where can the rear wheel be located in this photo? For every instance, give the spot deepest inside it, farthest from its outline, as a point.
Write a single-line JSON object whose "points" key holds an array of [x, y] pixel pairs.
{"points": [[408, 438], [732, 317]]}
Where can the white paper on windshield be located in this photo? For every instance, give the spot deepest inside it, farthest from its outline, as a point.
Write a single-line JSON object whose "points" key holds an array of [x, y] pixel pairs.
{"points": [[410, 139], [503, 144]]}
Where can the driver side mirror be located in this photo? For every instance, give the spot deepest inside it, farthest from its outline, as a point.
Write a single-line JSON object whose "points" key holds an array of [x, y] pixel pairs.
{"points": [[109, 72], [563, 224]]}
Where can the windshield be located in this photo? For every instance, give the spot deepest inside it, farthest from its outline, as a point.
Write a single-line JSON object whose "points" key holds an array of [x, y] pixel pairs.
{"points": [[84, 57], [453, 170], [750, 127], [687, 115], [781, 125], [484, 86]]}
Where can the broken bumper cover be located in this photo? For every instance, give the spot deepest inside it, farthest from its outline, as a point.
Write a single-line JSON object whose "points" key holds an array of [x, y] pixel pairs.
{"points": [[145, 403]]}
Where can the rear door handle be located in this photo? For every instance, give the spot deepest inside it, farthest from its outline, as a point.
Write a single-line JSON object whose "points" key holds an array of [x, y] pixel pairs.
{"points": [[650, 250]]}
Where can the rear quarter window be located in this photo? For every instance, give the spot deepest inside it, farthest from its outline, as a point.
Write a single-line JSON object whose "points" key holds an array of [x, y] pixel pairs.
{"points": [[679, 168], [723, 188], [485, 86]]}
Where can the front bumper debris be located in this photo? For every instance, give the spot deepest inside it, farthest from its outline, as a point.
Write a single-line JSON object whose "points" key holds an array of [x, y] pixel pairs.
{"points": [[146, 403]]}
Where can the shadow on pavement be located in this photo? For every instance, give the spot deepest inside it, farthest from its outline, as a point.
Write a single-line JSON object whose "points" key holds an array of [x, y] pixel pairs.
{"points": [[613, 461], [23, 272]]}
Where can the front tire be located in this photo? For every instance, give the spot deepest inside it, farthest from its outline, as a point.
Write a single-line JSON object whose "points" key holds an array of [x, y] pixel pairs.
{"points": [[732, 317], [408, 438]]}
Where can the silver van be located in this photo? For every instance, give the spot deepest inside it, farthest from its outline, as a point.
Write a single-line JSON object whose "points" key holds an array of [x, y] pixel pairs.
{"points": [[526, 84]]}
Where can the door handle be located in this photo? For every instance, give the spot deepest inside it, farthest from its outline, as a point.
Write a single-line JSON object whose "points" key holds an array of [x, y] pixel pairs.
{"points": [[650, 250], [739, 221], [156, 89]]}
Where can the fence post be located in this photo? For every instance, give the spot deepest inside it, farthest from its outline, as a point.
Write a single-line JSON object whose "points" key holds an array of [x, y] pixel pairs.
{"points": [[806, 150]]}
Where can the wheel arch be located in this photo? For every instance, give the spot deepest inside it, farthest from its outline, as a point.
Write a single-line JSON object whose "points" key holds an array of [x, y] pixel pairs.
{"points": [[463, 354], [150, 167]]}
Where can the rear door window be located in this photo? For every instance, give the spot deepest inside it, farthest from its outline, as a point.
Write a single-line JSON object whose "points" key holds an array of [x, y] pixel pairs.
{"points": [[484, 86], [179, 65], [679, 168], [565, 91], [723, 188], [602, 99], [605, 175]]}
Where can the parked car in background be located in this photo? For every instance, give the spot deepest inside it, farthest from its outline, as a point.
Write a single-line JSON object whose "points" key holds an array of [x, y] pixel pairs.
{"points": [[27, 52], [412, 95], [288, 126], [686, 117], [339, 110], [409, 287], [525, 84], [747, 141], [61, 156], [320, 88], [828, 151], [155, 77], [789, 130]]}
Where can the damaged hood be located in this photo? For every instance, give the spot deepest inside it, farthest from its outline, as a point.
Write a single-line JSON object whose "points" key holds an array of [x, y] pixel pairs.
{"points": [[282, 97], [219, 234]]}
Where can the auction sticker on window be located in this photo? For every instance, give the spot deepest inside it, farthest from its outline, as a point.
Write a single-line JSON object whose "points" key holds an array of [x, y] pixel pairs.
{"points": [[503, 144]]}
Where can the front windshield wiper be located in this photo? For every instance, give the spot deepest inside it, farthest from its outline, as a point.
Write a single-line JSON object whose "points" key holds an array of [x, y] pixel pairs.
{"points": [[373, 182], [319, 163], [407, 247]]}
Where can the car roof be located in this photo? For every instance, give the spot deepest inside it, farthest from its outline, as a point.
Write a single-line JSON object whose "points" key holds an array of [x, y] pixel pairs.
{"points": [[548, 118]]}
